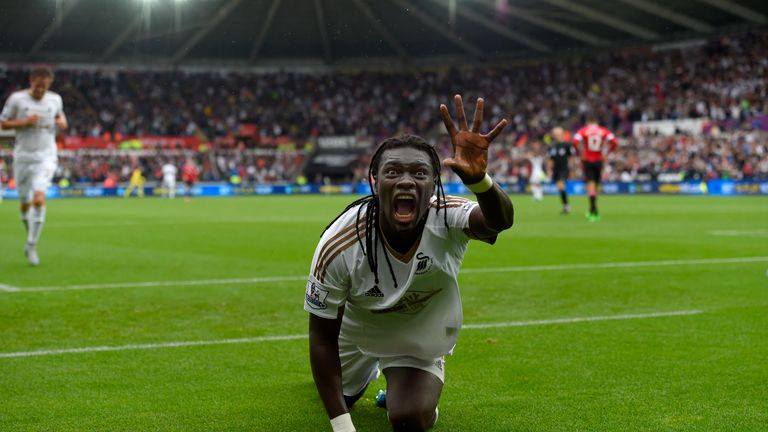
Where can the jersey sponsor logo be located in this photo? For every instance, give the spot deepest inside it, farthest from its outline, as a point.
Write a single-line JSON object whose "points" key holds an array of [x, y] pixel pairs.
{"points": [[316, 296], [374, 292], [412, 303], [423, 263]]}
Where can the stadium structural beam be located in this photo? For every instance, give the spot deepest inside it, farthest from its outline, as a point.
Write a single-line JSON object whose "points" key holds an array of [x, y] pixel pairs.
{"points": [[61, 12], [606, 19], [501, 30], [374, 21], [670, 15], [123, 36], [264, 30], [439, 28], [553, 26], [219, 16], [738, 10], [320, 14]]}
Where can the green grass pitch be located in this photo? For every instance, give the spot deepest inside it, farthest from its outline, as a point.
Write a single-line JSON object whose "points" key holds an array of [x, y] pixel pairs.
{"points": [[706, 370]]}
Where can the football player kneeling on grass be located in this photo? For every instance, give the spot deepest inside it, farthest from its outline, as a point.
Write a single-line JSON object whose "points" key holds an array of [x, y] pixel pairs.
{"points": [[383, 291]]}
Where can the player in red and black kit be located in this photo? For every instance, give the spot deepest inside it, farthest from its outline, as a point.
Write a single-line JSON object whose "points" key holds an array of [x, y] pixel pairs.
{"points": [[590, 142], [189, 174]]}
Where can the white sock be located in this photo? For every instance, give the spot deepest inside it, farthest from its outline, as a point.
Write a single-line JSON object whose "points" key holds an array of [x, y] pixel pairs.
{"points": [[538, 192], [36, 224]]}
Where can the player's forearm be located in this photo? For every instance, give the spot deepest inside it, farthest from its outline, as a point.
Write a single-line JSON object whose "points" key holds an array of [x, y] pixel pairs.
{"points": [[326, 370], [14, 124], [497, 208], [61, 122]]}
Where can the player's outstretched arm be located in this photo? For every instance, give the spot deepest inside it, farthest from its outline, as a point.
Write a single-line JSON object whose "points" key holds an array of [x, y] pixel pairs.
{"points": [[470, 163], [326, 368]]}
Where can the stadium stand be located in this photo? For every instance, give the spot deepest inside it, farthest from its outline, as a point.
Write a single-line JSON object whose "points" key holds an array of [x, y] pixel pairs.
{"points": [[256, 125]]}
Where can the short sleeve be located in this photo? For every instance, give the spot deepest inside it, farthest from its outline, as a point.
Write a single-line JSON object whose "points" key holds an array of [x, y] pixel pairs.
{"points": [[10, 109], [329, 281], [60, 105], [457, 211]]}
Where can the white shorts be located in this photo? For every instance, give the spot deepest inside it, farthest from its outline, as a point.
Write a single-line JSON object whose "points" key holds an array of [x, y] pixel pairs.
{"points": [[32, 177], [169, 183], [358, 370], [537, 177]]}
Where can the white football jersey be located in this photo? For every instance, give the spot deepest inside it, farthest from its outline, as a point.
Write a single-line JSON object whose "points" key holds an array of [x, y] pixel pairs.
{"points": [[421, 316], [537, 167], [36, 143], [169, 172]]}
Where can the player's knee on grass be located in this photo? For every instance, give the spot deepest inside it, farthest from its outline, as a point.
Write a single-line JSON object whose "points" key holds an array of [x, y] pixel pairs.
{"points": [[412, 396], [410, 417]]}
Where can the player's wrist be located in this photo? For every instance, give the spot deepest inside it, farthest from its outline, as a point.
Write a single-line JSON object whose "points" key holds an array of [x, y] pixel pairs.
{"points": [[485, 184], [342, 423]]}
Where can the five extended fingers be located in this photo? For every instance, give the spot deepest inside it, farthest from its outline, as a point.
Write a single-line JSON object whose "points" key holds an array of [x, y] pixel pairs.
{"points": [[462, 119]]}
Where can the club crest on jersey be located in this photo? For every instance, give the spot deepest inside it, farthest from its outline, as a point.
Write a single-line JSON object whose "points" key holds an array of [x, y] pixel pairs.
{"points": [[423, 263], [374, 292], [316, 296]]}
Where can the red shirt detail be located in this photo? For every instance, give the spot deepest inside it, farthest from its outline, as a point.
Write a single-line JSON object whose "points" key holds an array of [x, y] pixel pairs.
{"points": [[189, 173], [590, 142]]}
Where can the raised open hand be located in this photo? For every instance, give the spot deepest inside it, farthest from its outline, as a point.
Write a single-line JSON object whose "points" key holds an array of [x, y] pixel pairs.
{"points": [[470, 147]]}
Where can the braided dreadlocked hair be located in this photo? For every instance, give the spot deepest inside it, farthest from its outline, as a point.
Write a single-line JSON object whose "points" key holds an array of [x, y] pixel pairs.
{"points": [[370, 203]]}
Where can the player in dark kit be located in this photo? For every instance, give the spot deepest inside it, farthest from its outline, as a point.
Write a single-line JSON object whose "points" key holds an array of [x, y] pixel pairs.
{"points": [[590, 141], [559, 155]]}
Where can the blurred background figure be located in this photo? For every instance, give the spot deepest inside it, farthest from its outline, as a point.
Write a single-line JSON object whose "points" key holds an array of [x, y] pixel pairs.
{"points": [[136, 183], [558, 165], [593, 142], [538, 177], [169, 172], [189, 174]]}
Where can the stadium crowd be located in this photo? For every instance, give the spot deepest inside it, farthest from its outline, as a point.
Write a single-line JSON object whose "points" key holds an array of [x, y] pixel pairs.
{"points": [[725, 80]]}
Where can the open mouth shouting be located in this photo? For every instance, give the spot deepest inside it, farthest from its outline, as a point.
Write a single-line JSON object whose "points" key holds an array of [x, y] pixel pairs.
{"points": [[405, 208]]}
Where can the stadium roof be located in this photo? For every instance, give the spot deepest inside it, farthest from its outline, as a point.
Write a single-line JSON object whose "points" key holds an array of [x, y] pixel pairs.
{"points": [[337, 32]]}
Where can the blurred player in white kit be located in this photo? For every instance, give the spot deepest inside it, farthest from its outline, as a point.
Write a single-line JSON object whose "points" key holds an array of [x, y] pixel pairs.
{"points": [[537, 172], [169, 180], [35, 113], [2, 174]]}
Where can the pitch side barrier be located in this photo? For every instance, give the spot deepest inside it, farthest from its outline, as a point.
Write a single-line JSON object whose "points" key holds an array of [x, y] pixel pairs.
{"points": [[711, 188]]}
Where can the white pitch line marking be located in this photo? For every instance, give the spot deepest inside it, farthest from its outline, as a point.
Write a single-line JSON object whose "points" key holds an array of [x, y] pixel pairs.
{"points": [[581, 319], [740, 233], [8, 288], [303, 336], [592, 266], [555, 267], [169, 283]]}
